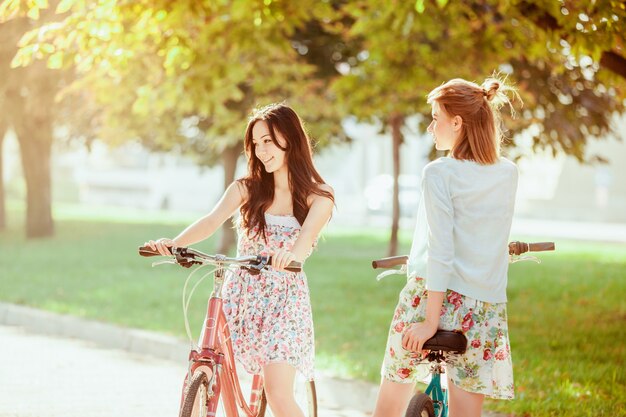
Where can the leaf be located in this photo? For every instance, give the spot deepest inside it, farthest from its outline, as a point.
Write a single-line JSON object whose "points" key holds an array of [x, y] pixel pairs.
{"points": [[55, 61], [33, 13], [28, 38], [23, 57], [9, 9], [65, 6], [420, 6]]}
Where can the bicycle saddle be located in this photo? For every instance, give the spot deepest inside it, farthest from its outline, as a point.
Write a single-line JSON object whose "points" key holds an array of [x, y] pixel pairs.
{"points": [[447, 341]]}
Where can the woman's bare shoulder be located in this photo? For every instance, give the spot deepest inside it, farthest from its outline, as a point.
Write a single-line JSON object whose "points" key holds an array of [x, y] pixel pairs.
{"points": [[326, 189], [239, 188]]}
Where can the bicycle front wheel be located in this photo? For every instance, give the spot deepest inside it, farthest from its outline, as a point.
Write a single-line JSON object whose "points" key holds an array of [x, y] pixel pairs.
{"points": [[305, 395], [196, 401], [420, 406]]}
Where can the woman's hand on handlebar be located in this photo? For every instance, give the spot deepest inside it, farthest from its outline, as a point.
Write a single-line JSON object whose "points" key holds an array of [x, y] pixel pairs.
{"points": [[162, 245], [282, 258]]}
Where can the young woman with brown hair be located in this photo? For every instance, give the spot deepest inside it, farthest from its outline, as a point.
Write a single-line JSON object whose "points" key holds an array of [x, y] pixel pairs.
{"points": [[283, 204], [457, 270]]}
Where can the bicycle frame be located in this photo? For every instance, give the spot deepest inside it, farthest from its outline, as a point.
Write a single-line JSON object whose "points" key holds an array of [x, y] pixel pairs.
{"points": [[216, 354], [434, 390]]}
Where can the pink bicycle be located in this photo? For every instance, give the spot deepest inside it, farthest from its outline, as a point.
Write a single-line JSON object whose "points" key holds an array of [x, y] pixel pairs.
{"points": [[212, 379]]}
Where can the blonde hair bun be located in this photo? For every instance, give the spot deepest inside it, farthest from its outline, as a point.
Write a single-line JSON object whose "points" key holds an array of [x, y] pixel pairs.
{"points": [[490, 88]]}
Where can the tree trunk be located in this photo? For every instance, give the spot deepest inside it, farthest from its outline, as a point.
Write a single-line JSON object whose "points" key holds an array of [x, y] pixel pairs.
{"points": [[396, 123], [229, 161], [3, 217], [35, 139]]}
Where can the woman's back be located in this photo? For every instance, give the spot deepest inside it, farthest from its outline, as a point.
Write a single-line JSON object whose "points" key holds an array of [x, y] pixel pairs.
{"points": [[477, 201]]}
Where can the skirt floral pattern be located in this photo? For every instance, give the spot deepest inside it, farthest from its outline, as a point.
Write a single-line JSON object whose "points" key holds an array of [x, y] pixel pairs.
{"points": [[486, 366], [269, 315]]}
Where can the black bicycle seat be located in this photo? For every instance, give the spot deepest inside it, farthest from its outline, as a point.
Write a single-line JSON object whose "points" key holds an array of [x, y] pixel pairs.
{"points": [[447, 341]]}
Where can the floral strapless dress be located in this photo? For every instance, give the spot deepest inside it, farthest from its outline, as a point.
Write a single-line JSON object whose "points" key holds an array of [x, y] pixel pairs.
{"points": [[269, 315]]}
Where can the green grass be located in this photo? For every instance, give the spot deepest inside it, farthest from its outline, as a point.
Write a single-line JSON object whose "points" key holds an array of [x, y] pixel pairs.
{"points": [[567, 316]]}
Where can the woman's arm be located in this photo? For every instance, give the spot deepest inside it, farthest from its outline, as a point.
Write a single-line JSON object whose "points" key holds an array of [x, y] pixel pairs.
{"points": [[439, 271], [319, 214], [204, 227]]}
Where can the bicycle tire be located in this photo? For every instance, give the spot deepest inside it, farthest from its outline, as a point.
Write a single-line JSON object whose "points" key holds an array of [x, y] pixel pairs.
{"points": [[421, 405], [196, 392], [309, 396]]}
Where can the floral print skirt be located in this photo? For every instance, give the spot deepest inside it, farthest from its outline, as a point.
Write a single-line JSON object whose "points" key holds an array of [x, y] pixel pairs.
{"points": [[485, 367], [270, 320]]}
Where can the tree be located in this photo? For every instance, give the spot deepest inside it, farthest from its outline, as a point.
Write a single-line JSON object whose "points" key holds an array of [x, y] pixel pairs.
{"points": [[27, 106], [409, 48], [180, 75]]}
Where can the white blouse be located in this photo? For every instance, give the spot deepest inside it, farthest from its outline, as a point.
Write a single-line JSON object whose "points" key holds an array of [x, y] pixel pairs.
{"points": [[463, 226]]}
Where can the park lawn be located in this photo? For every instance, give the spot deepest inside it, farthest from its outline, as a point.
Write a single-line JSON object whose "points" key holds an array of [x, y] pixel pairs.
{"points": [[567, 316]]}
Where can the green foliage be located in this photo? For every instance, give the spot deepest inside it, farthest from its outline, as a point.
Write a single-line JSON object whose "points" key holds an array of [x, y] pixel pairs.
{"points": [[147, 66], [551, 50], [182, 74]]}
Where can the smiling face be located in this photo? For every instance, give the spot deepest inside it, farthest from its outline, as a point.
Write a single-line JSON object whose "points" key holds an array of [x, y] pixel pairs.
{"points": [[444, 128], [271, 156]]}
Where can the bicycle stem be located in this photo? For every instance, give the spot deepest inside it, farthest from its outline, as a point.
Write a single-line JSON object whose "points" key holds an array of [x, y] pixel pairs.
{"points": [[218, 282]]}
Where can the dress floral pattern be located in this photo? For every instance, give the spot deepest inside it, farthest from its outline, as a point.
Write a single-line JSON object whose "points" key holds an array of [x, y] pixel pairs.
{"points": [[485, 367], [269, 315]]}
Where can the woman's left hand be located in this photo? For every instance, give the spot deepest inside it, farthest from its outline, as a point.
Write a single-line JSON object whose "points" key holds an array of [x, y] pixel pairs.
{"points": [[416, 334], [281, 259]]}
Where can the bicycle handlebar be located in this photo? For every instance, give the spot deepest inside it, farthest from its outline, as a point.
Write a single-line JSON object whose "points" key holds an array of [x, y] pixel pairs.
{"points": [[515, 248], [390, 262], [187, 257]]}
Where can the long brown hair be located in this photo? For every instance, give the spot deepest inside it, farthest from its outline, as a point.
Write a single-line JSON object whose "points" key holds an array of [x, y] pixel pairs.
{"points": [[478, 107], [304, 179]]}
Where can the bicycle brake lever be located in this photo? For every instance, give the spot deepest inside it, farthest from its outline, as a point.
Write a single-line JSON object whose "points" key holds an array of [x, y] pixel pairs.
{"points": [[166, 261], [188, 263], [184, 258], [521, 258], [401, 271], [262, 262]]}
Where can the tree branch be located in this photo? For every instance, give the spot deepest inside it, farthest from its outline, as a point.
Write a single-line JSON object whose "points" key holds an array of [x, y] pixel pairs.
{"points": [[614, 62], [610, 60]]}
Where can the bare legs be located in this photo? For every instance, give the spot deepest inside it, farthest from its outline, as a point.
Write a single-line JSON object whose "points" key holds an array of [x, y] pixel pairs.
{"points": [[279, 379], [393, 399], [463, 403]]}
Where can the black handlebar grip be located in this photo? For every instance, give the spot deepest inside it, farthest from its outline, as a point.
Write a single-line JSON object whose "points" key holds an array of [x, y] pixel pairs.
{"points": [[517, 248], [390, 262], [148, 251], [293, 266], [540, 246]]}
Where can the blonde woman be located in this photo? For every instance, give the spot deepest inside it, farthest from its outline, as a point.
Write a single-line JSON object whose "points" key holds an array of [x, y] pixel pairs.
{"points": [[459, 261]]}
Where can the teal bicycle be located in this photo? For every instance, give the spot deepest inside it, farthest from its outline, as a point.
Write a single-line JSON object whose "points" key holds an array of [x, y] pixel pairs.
{"points": [[433, 402]]}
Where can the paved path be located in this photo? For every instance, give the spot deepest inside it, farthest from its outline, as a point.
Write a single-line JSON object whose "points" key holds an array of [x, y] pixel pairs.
{"points": [[42, 375], [49, 376]]}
